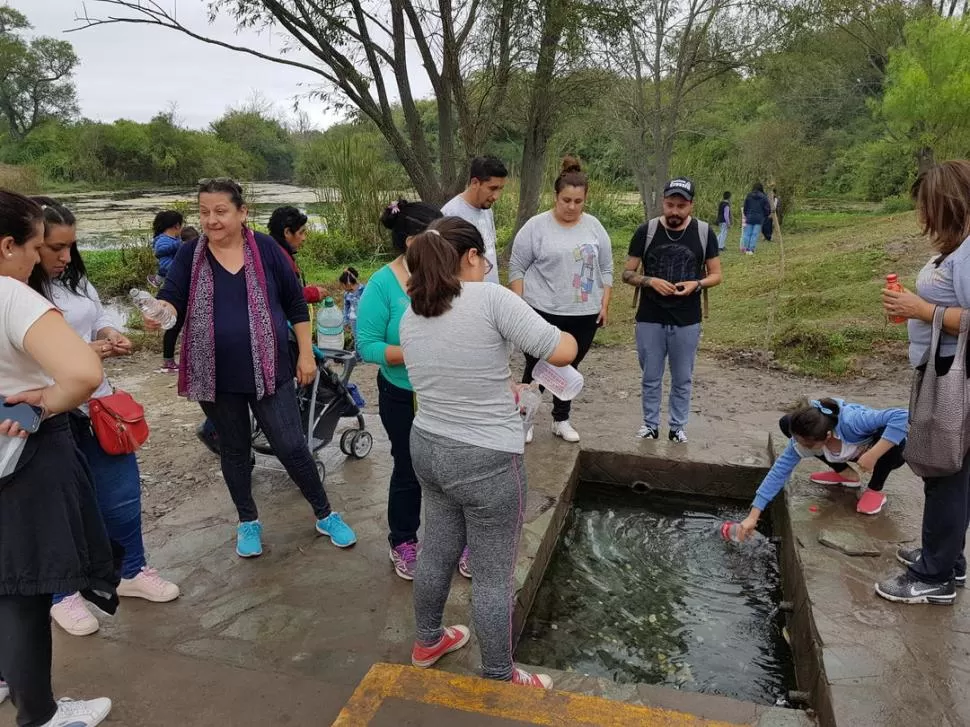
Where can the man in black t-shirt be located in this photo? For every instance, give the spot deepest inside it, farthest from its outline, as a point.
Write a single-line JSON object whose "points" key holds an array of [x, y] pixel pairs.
{"points": [[677, 266]]}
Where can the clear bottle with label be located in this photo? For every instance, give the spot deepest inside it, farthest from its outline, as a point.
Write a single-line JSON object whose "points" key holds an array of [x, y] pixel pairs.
{"points": [[153, 309], [330, 327]]}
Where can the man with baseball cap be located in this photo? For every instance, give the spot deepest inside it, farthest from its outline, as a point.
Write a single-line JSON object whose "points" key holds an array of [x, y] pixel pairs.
{"points": [[679, 256]]}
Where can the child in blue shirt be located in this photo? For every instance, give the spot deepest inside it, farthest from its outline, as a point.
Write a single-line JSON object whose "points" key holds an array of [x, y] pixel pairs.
{"points": [[167, 232], [837, 433], [353, 289]]}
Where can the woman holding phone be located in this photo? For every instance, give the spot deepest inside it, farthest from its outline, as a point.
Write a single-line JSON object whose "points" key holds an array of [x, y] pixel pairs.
{"points": [[52, 538]]}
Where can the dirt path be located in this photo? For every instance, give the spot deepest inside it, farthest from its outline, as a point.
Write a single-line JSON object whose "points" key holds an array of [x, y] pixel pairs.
{"points": [[175, 466]]}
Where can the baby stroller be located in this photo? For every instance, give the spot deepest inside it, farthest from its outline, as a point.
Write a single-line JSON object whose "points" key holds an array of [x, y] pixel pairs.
{"points": [[323, 404]]}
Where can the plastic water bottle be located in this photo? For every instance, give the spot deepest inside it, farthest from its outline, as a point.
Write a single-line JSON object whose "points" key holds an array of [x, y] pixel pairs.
{"points": [[732, 531], [152, 309], [528, 401], [892, 283], [565, 382], [330, 327]]}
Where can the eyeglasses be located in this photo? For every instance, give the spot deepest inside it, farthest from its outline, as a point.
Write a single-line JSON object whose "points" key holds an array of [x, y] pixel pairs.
{"points": [[488, 264]]}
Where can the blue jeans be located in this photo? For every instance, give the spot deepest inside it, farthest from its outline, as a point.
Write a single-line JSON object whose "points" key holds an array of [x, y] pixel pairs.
{"points": [[722, 236], [279, 418], [118, 485], [749, 237], [656, 343]]}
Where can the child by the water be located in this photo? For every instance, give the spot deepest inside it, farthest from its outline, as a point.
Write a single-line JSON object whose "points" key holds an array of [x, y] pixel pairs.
{"points": [[352, 288], [837, 433]]}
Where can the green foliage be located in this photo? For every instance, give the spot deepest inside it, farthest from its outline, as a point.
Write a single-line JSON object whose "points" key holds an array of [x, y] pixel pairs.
{"points": [[928, 84], [898, 203], [263, 139], [115, 272]]}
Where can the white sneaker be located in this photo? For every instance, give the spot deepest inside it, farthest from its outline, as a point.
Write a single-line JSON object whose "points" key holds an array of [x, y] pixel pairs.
{"points": [[73, 616], [530, 433], [150, 586], [4, 692], [565, 431], [80, 713]]}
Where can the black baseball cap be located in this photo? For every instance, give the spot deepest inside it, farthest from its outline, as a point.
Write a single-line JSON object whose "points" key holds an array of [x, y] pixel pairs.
{"points": [[680, 186]]}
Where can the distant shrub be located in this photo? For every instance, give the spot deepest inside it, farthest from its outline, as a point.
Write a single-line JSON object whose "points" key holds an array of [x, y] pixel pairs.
{"points": [[19, 179], [897, 203]]}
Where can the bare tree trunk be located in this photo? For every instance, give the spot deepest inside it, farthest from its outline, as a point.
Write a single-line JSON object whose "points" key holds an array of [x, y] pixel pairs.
{"points": [[540, 124], [926, 159]]}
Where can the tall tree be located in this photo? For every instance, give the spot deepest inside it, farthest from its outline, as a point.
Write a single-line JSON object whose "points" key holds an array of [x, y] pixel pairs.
{"points": [[360, 50], [35, 76], [665, 52]]}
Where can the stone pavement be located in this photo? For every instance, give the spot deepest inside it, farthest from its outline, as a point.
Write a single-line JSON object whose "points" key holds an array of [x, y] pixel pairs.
{"points": [[287, 638]]}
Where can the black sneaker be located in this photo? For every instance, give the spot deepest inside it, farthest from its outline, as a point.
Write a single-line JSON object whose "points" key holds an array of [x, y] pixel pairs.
{"points": [[646, 432], [909, 556], [209, 438], [904, 588], [677, 435]]}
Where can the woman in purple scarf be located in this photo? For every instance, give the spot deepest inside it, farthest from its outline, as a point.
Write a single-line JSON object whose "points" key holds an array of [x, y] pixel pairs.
{"points": [[235, 292]]}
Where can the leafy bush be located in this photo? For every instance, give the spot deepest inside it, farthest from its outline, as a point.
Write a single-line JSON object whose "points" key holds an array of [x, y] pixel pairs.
{"points": [[898, 203], [115, 272], [19, 179]]}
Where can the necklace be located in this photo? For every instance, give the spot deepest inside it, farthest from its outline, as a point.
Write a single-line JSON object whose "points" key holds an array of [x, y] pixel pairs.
{"points": [[404, 264], [670, 235]]}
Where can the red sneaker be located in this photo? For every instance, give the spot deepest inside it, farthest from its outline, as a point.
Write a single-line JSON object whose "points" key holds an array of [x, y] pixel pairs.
{"points": [[834, 478], [525, 679], [454, 638], [871, 503]]}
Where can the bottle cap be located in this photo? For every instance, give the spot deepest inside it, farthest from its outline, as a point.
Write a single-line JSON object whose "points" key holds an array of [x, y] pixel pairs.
{"points": [[328, 303], [892, 277]]}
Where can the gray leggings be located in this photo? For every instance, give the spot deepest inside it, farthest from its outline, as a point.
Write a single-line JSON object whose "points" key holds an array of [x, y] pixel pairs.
{"points": [[477, 496]]}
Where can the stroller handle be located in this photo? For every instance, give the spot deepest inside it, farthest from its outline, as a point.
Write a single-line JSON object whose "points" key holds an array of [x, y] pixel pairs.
{"points": [[346, 359]]}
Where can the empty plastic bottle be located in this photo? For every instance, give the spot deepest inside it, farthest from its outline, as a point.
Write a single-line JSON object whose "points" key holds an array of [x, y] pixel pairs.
{"points": [[528, 401], [152, 309], [732, 531], [330, 327]]}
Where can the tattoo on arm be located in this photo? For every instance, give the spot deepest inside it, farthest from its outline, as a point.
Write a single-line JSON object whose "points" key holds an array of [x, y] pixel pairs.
{"points": [[630, 277]]}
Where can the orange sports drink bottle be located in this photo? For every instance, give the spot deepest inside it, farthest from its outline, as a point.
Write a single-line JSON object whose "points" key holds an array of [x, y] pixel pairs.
{"points": [[892, 283]]}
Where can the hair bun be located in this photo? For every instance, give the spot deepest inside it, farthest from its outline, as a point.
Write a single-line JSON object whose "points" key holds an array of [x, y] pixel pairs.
{"points": [[570, 164], [392, 213]]}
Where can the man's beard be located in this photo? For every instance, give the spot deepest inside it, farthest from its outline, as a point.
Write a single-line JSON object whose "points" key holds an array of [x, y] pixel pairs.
{"points": [[673, 221]]}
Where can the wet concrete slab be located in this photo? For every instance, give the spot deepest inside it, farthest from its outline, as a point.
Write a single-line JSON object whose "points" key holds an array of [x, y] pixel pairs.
{"points": [[287, 638]]}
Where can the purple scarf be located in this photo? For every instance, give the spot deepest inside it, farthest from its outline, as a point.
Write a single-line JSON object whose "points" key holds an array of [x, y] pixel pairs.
{"points": [[197, 372]]}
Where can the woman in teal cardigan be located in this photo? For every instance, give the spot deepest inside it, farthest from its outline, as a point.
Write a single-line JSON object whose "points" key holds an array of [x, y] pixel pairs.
{"points": [[378, 316]]}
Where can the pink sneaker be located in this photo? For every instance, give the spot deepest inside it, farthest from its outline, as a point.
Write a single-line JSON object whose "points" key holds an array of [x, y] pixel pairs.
{"points": [[405, 560], [168, 367], [148, 585], [73, 616], [525, 679], [454, 638], [834, 478], [871, 503], [463, 567]]}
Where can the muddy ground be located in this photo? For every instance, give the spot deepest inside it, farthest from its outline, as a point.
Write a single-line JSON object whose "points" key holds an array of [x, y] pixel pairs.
{"points": [[175, 466]]}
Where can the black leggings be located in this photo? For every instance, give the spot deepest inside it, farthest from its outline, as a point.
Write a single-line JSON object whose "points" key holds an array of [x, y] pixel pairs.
{"points": [[891, 460], [25, 657], [583, 329], [170, 338]]}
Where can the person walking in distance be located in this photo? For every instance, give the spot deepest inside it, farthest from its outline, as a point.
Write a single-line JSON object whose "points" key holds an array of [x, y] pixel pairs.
{"points": [[562, 265], [723, 220], [486, 180], [756, 210], [679, 255]]}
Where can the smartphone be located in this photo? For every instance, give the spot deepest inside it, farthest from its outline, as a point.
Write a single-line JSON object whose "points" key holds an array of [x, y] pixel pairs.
{"points": [[27, 416]]}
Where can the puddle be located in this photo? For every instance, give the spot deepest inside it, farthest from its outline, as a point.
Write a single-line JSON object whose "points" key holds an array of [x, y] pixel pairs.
{"points": [[641, 589]]}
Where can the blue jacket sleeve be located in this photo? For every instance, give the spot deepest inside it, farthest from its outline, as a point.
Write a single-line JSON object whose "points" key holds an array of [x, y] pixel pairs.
{"points": [[373, 316], [777, 476], [865, 422], [166, 247], [179, 278], [290, 289]]}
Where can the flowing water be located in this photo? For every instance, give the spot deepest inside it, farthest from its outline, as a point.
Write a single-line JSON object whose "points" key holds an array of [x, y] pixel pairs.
{"points": [[642, 589]]}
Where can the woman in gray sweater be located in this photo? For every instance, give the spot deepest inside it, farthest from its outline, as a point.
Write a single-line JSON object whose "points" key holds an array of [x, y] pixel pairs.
{"points": [[466, 441], [562, 266]]}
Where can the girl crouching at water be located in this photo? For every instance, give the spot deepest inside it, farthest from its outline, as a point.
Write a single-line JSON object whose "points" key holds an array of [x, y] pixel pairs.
{"points": [[467, 438], [837, 433]]}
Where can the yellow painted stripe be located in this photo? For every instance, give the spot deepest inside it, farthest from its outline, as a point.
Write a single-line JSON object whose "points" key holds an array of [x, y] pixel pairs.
{"points": [[501, 700]]}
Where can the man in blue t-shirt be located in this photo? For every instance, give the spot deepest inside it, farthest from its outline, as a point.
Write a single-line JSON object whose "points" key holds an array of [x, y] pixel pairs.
{"points": [[677, 266]]}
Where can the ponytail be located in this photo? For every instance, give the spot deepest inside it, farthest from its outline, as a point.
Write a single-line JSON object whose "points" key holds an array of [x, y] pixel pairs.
{"points": [[434, 282], [815, 419]]}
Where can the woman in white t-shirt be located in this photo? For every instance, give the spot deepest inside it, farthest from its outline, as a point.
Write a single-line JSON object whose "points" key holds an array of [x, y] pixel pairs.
{"points": [[62, 278], [52, 537]]}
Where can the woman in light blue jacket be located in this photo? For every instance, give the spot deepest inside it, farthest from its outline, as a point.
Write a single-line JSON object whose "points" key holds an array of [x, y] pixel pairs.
{"points": [[837, 433]]}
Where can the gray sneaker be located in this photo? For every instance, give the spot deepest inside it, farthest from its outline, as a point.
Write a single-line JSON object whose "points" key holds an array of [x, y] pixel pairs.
{"points": [[646, 432], [678, 435], [909, 557], [904, 588]]}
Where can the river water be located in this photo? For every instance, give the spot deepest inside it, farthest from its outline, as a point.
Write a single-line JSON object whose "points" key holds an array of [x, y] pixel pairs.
{"points": [[642, 589], [107, 219]]}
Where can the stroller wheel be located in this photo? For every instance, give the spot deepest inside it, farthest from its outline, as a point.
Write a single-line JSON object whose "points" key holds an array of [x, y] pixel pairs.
{"points": [[322, 471], [361, 444], [345, 440]]}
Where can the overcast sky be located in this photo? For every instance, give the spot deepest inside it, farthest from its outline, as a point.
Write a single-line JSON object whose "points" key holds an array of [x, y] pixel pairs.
{"points": [[133, 72]]}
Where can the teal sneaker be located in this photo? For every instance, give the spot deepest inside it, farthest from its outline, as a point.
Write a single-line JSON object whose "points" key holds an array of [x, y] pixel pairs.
{"points": [[249, 541], [339, 532]]}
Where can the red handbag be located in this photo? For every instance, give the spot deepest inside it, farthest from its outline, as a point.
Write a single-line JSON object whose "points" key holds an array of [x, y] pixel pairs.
{"points": [[118, 422]]}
